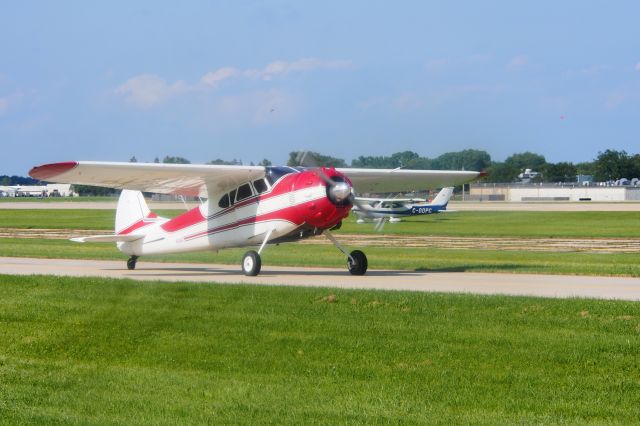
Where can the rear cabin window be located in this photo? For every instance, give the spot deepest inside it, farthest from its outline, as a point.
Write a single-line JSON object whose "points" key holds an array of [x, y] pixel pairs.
{"points": [[244, 191], [260, 185]]}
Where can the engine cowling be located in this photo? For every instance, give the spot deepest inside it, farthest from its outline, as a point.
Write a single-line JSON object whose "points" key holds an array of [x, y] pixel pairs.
{"points": [[322, 197]]}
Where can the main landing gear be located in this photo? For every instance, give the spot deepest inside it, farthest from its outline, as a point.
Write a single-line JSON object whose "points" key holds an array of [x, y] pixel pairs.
{"points": [[356, 260], [251, 262], [357, 263], [131, 263]]}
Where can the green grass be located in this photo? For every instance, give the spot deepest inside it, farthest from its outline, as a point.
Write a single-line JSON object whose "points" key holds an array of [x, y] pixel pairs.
{"points": [[96, 351], [437, 260], [521, 224], [490, 224], [57, 199], [64, 218]]}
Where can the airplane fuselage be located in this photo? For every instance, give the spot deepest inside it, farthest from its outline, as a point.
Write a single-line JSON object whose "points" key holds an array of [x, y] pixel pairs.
{"points": [[400, 210]]}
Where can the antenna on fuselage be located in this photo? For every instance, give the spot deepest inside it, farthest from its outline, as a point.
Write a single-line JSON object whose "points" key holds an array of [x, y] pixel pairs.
{"points": [[186, 207]]}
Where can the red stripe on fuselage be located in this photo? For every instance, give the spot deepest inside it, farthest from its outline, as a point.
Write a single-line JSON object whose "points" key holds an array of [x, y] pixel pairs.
{"points": [[185, 220], [139, 224], [289, 214]]}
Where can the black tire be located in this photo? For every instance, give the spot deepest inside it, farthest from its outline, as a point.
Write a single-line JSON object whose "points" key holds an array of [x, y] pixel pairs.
{"points": [[131, 263], [359, 264], [251, 263]]}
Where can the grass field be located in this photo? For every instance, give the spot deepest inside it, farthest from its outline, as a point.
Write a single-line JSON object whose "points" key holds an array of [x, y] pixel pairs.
{"points": [[490, 224], [57, 199], [95, 351]]}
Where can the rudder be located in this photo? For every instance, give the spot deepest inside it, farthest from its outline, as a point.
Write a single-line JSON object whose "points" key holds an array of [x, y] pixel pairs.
{"points": [[442, 199], [132, 208]]}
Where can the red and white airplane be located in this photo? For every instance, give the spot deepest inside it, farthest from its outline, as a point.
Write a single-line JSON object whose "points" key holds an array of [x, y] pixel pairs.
{"points": [[245, 206]]}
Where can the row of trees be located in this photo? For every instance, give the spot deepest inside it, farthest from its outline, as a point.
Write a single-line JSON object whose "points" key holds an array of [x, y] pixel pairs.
{"points": [[17, 180], [609, 165], [181, 160]]}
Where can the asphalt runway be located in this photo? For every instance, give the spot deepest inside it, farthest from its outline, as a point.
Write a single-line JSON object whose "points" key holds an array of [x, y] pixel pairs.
{"points": [[558, 286]]}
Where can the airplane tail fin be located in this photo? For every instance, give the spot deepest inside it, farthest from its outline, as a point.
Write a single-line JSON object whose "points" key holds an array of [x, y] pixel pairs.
{"points": [[443, 197], [131, 212]]}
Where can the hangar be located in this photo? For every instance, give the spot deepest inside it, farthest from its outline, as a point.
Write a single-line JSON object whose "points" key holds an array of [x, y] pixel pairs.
{"points": [[552, 192], [49, 190]]}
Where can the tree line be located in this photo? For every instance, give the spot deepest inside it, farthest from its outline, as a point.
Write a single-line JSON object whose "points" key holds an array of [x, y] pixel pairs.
{"points": [[609, 165]]}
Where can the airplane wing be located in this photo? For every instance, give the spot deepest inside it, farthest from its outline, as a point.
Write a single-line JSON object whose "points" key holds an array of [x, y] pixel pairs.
{"points": [[200, 180], [401, 180], [399, 200], [179, 179]]}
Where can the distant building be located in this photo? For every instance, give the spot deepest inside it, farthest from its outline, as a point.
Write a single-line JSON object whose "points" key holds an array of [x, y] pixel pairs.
{"points": [[552, 192], [50, 190]]}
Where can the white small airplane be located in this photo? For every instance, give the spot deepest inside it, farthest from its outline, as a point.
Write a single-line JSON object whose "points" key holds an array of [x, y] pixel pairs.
{"points": [[245, 205], [394, 208]]}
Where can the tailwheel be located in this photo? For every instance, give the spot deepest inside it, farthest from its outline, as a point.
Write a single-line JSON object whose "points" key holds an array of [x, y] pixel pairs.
{"points": [[357, 263], [131, 263], [251, 263]]}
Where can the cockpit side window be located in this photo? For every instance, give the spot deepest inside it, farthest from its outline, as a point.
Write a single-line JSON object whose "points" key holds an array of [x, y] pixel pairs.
{"points": [[260, 185], [275, 173], [232, 196], [244, 192]]}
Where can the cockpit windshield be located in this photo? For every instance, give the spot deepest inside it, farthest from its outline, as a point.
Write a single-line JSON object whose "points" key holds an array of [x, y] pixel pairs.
{"points": [[275, 173]]}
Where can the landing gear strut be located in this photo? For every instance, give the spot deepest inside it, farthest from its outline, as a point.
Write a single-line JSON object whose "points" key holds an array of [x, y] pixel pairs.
{"points": [[131, 263], [356, 260]]}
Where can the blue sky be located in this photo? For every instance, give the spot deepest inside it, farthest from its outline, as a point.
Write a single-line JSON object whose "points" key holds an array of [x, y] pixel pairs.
{"points": [[256, 79]]}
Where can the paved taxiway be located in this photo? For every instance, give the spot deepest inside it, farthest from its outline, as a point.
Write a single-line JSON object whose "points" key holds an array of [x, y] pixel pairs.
{"points": [[455, 282]]}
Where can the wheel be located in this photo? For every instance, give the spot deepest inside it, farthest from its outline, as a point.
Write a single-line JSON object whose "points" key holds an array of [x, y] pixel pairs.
{"points": [[251, 263], [359, 264], [131, 263]]}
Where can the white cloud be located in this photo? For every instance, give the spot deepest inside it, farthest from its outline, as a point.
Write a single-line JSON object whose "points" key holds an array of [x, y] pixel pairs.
{"points": [[148, 90], [282, 68], [214, 77], [518, 61]]}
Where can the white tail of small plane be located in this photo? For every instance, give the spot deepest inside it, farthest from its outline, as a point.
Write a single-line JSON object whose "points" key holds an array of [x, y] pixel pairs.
{"points": [[132, 208], [443, 197]]}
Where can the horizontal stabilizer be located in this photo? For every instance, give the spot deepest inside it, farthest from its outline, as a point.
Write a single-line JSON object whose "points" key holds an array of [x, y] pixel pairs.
{"points": [[107, 238]]}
